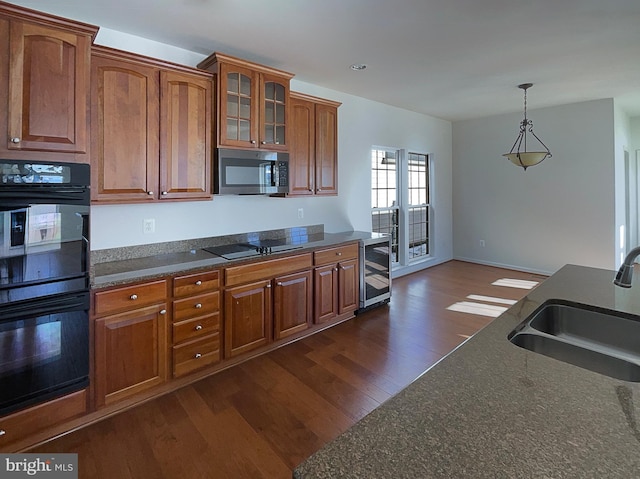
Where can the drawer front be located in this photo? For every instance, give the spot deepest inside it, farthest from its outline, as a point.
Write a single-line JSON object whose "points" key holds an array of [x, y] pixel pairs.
{"points": [[196, 283], [196, 328], [130, 297], [195, 306], [21, 424], [335, 255], [266, 269], [195, 355]]}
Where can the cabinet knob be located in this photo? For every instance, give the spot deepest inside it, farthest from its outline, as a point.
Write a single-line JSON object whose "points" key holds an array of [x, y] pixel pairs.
{"points": [[163, 311], [150, 193], [15, 139], [338, 254], [164, 192], [133, 297], [198, 283], [253, 142], [198, 327], [279, 283], [2, 432], [335, 269], [198, 356], [319, 189], [198, 305], [268, 285], [263, 142]]}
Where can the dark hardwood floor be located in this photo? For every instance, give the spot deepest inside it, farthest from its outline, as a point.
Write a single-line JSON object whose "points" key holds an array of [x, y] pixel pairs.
{"points": [[261, 418]]}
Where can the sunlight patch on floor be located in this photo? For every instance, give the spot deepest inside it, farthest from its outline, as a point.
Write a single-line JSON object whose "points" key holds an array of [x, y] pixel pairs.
{"points": [[477, 308], [491, 299], [515, 283]]}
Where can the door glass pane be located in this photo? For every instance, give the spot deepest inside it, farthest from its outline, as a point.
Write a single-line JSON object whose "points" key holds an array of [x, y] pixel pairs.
{"points": [[232, 106], [269, 90], [245, 85], [232, 83], [245, 130], [245, 108], [279, 92], [232, 129], [280, 135], [268, 133], [279, 113], [269, 115]]}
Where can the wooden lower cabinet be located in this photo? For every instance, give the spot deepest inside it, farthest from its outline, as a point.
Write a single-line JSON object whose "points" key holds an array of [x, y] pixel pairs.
{"points": [[130, 353], [293, 300], [336, 282], [248, 322]]}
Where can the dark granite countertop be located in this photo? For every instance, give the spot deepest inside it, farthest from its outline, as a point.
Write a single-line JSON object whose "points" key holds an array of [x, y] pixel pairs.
{"points": [[192, 257], [491, 409]]}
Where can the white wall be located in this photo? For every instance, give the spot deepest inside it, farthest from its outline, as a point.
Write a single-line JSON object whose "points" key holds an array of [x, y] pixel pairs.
{"points": [[361, 124], [560, 211]]}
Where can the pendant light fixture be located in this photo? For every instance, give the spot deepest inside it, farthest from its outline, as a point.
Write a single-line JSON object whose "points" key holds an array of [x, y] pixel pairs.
{"points": [[519, 155]]}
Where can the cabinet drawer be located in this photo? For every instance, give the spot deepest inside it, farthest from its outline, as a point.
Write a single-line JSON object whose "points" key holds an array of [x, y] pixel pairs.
{"points": [[334, 255], [29, 421], [130, 297], [266, 269], [195, 355], [196, 283], [196, 328], [194, 306]]}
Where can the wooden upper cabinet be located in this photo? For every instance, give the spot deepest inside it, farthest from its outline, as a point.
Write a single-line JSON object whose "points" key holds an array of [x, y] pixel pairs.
{"points": [[44, 85], [124, 129], [313, 159], [253, 103], [185, 136], [150, 129]]}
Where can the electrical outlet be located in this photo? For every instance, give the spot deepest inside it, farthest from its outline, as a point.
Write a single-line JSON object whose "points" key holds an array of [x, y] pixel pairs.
{"points": [[300, 213], [482, 243], [149, 226]]}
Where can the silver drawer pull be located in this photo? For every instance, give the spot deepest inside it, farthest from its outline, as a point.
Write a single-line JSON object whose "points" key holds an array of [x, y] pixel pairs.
{"points": [[198, 356], [198, 327], [199, 305], [163, 311], [133, 297], [198, 283], [338, 254], [15, 139]]}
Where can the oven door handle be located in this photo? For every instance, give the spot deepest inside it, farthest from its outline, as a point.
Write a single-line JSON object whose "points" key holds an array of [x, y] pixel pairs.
{"points": [[47, 305]]}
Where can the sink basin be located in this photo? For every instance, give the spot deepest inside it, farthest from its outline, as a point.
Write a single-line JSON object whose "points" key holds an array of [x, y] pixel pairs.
{"points": [[600, 340]]}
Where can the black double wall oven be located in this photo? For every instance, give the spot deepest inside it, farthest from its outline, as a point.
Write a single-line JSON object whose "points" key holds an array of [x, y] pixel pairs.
{"points": [[44, 281]]}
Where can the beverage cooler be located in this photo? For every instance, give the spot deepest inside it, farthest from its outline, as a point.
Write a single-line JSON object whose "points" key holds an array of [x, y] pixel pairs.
{"points": [[375, 271]]}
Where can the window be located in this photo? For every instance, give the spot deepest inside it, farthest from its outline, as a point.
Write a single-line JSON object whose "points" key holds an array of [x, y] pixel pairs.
{"points": [[400, 202]]}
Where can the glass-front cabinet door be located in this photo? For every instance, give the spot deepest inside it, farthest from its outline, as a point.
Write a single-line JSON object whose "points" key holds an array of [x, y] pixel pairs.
{"points": [[238, 106], [274, 112]]}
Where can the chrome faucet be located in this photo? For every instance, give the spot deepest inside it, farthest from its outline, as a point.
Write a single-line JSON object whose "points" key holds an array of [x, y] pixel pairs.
{"points": [[625, 273]]}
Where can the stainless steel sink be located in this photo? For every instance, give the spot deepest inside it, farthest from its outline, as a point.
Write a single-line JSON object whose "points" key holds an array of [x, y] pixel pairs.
{"points": [[603, 341]]}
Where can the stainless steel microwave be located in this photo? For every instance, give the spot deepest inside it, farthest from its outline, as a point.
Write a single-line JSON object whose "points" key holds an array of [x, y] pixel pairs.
{"points": [[250, 172]]}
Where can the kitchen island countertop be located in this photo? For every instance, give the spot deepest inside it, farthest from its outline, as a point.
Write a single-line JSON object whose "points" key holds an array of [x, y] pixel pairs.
{"points": [[491, 409]]}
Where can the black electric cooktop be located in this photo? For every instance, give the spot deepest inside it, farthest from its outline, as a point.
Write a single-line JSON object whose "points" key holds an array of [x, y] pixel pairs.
{"points": [[257, 248]]}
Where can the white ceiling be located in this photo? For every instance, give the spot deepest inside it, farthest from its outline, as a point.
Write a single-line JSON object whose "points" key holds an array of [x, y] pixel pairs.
{"points": [[452, 59]]}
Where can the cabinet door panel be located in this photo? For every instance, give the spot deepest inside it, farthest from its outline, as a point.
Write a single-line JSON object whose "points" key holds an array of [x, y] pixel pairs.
{"points": [[293, 299], [238, 107], [274, 112], [185, 147], [48, 82], [325, 293], [124, 132], [130, 353], [302, 148], [247, 318], [326, 150], [348, 281]]}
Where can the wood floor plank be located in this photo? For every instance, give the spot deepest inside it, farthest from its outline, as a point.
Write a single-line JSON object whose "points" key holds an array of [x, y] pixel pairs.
{"points": [[260, 418]]}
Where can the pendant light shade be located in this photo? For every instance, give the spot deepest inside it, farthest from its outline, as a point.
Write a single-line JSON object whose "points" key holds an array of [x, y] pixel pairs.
{"points": [[519, 155]]}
